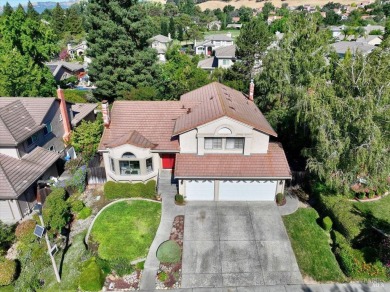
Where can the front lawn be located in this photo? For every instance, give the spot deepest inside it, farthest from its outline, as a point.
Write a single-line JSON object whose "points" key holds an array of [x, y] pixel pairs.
{"points": [[311, 246], [126, 229]]}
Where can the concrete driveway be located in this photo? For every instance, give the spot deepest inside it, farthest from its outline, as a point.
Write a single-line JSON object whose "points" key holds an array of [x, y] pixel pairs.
{"points": [[229, 244]]}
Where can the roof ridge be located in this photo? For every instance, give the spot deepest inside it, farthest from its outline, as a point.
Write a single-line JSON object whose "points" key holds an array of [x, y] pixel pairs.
{"points": [[6, 176], [223, 106], [6, 126]]}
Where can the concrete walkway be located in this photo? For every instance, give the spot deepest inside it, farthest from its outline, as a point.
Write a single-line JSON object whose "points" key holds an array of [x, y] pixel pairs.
{"points": [[292, 204], [167, 188]]}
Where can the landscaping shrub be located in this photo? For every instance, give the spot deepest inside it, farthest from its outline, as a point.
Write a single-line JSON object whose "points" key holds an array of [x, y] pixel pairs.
{"points": [[140, 265], [74, 95], [7, 271], [91, 278], [84, 213], [169, 252], [78, 181], [327, 223], [24, 231], [162, 276], [115, 190], [7, 236], [279, 198], [121, 266], [73, 164], [344, 217], [76, 206], [179, 199], [352, 261], [56, 210]]}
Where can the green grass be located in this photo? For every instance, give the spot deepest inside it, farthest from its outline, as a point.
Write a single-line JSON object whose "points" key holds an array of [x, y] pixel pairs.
{"points": [[8, 288], [126, 229], [379, 209], [70, 272], [235, 32], [311, 246]]}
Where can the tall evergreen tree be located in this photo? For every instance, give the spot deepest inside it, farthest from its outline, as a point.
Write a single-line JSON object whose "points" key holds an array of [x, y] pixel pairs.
{"points": [[31, 12], [58, 20], [180, 33], [117, 34], [172, 28], [164, 28], [7, 9], [74, 21]]}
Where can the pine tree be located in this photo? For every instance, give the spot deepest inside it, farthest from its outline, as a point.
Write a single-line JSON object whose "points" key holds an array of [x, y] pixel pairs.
{"points": [[74, 21], [172, 28], [180, 33], [7, 9], [164, 28], [31, 12], [58, 20], [117, 34]]}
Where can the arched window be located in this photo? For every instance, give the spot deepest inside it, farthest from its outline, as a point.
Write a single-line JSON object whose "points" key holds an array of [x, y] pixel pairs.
{"points": [[128, 155], [224, 131]]}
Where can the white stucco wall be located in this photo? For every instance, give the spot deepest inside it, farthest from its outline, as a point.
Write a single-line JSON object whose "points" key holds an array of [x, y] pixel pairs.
{"points": [[13, 152], [188, 142], [222, 65], [259, 142]]}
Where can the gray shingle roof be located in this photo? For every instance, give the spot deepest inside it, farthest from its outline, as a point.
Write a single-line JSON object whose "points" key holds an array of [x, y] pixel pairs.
{"points": [[226, 52], [218, 37], [16, 175], [56, 66], [160, 38], [17, 121], [209, 63], [342, 47], [80, 111]]}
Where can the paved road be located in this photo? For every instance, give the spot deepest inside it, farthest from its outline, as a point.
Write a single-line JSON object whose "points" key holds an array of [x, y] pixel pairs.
{"points": [[231, 244]]}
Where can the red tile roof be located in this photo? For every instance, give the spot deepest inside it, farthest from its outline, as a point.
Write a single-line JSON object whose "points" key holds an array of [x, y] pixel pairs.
{"points": [[216, 101], [269, 165], [132, 138]]}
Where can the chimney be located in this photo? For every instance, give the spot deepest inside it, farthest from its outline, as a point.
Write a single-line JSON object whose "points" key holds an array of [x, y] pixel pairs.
{"points": [[251, 90], [106, 113], [64, 114]]}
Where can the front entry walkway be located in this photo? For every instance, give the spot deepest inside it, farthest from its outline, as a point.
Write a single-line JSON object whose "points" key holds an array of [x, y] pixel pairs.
{"points": [[230, 244]]}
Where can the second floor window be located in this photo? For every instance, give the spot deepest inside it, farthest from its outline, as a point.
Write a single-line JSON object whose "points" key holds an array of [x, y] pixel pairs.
{"points": [[213, 143], [234, 143], [47, 128]]}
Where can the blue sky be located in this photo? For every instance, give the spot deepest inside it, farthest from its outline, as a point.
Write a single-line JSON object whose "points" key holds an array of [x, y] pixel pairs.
{"points": [[16, 2]]}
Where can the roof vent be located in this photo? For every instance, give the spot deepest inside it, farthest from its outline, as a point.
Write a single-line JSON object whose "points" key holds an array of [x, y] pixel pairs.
{"points": [[183, 107], [189, 111], [211, 97], [232, 107]]}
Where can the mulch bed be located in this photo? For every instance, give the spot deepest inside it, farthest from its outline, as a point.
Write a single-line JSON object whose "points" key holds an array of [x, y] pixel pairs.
{"points": [[127, 282], [169, 275]]}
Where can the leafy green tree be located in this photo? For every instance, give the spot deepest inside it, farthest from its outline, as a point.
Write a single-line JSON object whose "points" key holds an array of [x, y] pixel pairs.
{"points": [[332, 18], [31, 12], [7, 10], [7, 236], [180, 36], [58, 19], [252, 43], [172, 28], [86, 137], [245, 14], [117, 34], [56, 210], [267, 9]]}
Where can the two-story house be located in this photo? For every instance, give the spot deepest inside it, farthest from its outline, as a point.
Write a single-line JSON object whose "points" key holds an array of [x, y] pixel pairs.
{"points": [[161, 43], [212, 42], [32, 135], [224, 57], [214, 138]]}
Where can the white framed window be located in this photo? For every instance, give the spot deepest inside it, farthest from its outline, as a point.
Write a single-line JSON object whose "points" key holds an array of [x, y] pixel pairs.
{"points": [[129, 167], [149, 164], [225, 62], [234, 143], [213, 143]]}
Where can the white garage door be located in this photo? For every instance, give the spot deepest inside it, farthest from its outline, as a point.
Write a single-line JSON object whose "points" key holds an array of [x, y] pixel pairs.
{"points": [[247, 190], [200, 190], [5, 212]]}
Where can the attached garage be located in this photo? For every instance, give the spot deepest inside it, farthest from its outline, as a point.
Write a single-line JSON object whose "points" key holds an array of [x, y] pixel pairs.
{"points": [[5, 212], [247, 190], [199, 190]]}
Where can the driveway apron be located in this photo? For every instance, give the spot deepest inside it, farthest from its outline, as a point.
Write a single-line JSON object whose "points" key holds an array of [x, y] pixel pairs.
{"points": [[228, 244]]}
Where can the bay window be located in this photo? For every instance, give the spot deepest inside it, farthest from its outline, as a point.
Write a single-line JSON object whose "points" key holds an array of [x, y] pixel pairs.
{"points": [[129, 167]]}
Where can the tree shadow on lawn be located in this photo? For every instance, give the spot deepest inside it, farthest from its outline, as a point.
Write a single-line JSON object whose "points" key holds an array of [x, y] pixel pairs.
{"points": [[65, 232]]}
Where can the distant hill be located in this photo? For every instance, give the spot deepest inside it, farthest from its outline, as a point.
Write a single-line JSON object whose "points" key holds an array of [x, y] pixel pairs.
{"points": [[41, 6]]}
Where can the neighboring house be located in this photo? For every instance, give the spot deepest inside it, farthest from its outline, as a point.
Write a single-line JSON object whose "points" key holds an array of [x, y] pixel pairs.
{"points": [[337, 31], [215, 138], [369, 28], [234, 25], [77, 50], [212, 42], [373, 40], [161, 44], [32, 134], [214, 25], [342, 47], [62, 70], [224, 57]]}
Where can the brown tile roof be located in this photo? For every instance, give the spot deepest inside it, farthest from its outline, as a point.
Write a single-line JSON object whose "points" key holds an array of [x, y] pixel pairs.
{"points": [[154, 120], [270, 165], [21, 117], [216, 101], [80, 111], [132, 138], [17, 175]]}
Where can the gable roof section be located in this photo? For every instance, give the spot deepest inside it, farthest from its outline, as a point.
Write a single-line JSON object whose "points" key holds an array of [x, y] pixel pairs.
{"points": [[161, 38], [132, 138], [19, 174], [209, 63], [216, 101], [226, 52], [80, 111], [154, 120], [272, 164], [18, 122], [218, 37]]}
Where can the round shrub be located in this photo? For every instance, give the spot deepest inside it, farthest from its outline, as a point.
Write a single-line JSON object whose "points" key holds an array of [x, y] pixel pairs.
{"points": [[76, 206], [25, 231], [179, 199], [7, 271], [91, 278], [84, 213], [169, 252], [279, 198], [327, 223]]}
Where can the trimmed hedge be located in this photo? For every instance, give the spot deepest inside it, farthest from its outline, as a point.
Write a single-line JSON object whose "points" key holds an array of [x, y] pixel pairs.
{"points": [[117, 190], [169, 252], [91, 278], [348, 222], [7, 272], [76, 206], [84, 213], [327, 223], [352, 261]]}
